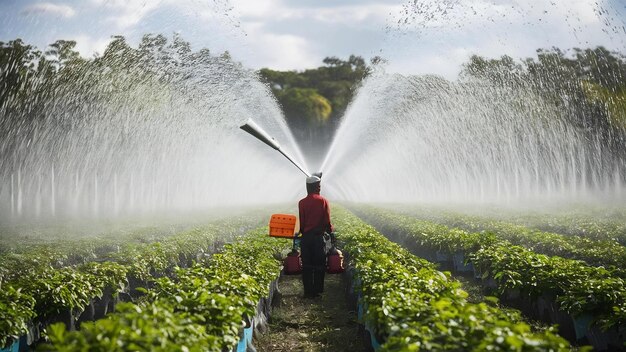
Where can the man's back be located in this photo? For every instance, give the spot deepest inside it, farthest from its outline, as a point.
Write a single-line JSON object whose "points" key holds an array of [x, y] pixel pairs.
{"points": [[314, 214], [314, 221]]}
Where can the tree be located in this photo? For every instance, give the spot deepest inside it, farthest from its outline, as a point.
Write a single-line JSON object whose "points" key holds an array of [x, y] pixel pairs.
{"points": [[587, 86], [314, 100], [18, 63], [61, 53], [503, 71], [305, 105]]}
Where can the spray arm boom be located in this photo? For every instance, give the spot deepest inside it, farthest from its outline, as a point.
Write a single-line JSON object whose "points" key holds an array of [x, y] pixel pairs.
{"points": [[261, 135]]}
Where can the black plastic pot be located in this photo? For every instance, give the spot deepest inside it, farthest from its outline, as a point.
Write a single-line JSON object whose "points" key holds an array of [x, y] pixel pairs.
{"points": [[89, 314]]}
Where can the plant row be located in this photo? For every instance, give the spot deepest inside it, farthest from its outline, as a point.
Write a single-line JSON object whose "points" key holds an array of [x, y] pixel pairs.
{"points": [[201, 308], [597, 252], [599, 224], [49, 294], [412, 306], [42, 294], [36, 253], [577, 287], [576, 225]]}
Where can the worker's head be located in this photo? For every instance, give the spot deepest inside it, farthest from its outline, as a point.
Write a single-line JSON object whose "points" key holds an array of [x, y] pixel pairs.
{"points": [[313, 184]]}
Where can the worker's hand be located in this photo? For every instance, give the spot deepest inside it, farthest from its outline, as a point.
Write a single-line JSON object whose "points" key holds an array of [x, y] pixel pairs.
{"points": [[296, 240], [333, 238]]}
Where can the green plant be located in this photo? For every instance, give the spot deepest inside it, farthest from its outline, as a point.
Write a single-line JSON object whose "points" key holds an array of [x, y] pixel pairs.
{"points": [[413, 307], [16, 310]]}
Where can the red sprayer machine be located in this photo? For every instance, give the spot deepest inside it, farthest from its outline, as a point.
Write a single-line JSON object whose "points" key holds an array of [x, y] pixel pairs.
{"points": [[285, 225]]}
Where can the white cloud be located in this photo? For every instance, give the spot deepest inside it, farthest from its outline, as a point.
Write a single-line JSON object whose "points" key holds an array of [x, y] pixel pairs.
{"points": [[293, 35], [290, 34], [127, 13], [447, 65], [49, 8], [373, 14], [433, 36], [87, 46], [272, 10], [474, 13], [279, 51], [255, 9]]}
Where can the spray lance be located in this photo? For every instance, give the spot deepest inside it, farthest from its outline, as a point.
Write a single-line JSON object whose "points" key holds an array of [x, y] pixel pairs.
{"points": [[255, 130]]}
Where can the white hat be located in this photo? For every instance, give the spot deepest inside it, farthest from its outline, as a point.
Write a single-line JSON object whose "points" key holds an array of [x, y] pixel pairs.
{"points": [[313, 179]]}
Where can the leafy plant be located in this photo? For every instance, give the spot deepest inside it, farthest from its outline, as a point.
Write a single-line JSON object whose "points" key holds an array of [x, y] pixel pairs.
{"points": [[412, 306], [16, 310], [197, 308]]}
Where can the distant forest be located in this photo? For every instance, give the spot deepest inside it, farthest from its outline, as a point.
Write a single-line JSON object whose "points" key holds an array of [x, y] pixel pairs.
{"points": [[314, 100], [589, 83]]}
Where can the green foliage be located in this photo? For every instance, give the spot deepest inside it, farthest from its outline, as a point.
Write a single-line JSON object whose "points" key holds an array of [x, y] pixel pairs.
{"points": [[107, 275], [614, 101], [17, 77], [335, 82], [198, 309], [589, 87], [414, 307], [59, 290], [305, 104], [152, 327], [577, 287], [16, 311], [41, 281], [598, 251], [314, 100], [147, 76]]}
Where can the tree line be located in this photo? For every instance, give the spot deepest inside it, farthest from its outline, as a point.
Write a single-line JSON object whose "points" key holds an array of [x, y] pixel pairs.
{"points": [[590, 84], [314, 100], [59, 87]]}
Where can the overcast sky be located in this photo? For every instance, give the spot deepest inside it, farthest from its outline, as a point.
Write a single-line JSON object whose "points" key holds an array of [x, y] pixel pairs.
{"points": [[420, 36]]}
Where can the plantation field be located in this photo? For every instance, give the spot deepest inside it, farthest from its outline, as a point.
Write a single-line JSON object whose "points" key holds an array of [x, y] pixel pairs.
{"points": [[78, 279], [574, 281], [598, 250], [408, 305], [208, 285], [599, 222]]}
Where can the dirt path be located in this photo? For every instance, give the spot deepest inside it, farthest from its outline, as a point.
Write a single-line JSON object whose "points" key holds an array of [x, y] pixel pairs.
{"points": [[304, 324]]}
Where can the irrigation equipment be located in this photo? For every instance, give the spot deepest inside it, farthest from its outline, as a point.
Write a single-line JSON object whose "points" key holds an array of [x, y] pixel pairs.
{"points": [[255, 130]]}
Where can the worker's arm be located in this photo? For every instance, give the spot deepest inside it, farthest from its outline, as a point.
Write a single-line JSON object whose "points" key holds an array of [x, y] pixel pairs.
{"points": [[301, 218], [330, 227]]}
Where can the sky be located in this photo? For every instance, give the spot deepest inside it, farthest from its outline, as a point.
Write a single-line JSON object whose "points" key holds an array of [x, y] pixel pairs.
{"points": [[417, 36]]}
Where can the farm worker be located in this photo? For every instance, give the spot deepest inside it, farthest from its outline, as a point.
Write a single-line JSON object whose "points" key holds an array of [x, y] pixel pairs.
{"points": [[314, 222]]}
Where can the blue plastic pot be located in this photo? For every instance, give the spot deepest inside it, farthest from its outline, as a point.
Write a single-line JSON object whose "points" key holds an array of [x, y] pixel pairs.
{"points": [[246, 338], [14, 347], [582, 324], [442, 256], [458, 260]]}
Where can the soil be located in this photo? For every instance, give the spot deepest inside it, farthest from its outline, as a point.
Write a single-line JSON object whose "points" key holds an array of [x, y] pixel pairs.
{"points": [[325, 323]]}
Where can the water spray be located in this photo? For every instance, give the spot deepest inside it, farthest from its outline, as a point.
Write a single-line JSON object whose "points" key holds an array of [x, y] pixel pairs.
{"points": [[254, 129]]}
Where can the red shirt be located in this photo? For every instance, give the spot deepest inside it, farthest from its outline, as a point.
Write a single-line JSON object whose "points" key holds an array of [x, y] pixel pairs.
{"points": [[314, 214]]}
